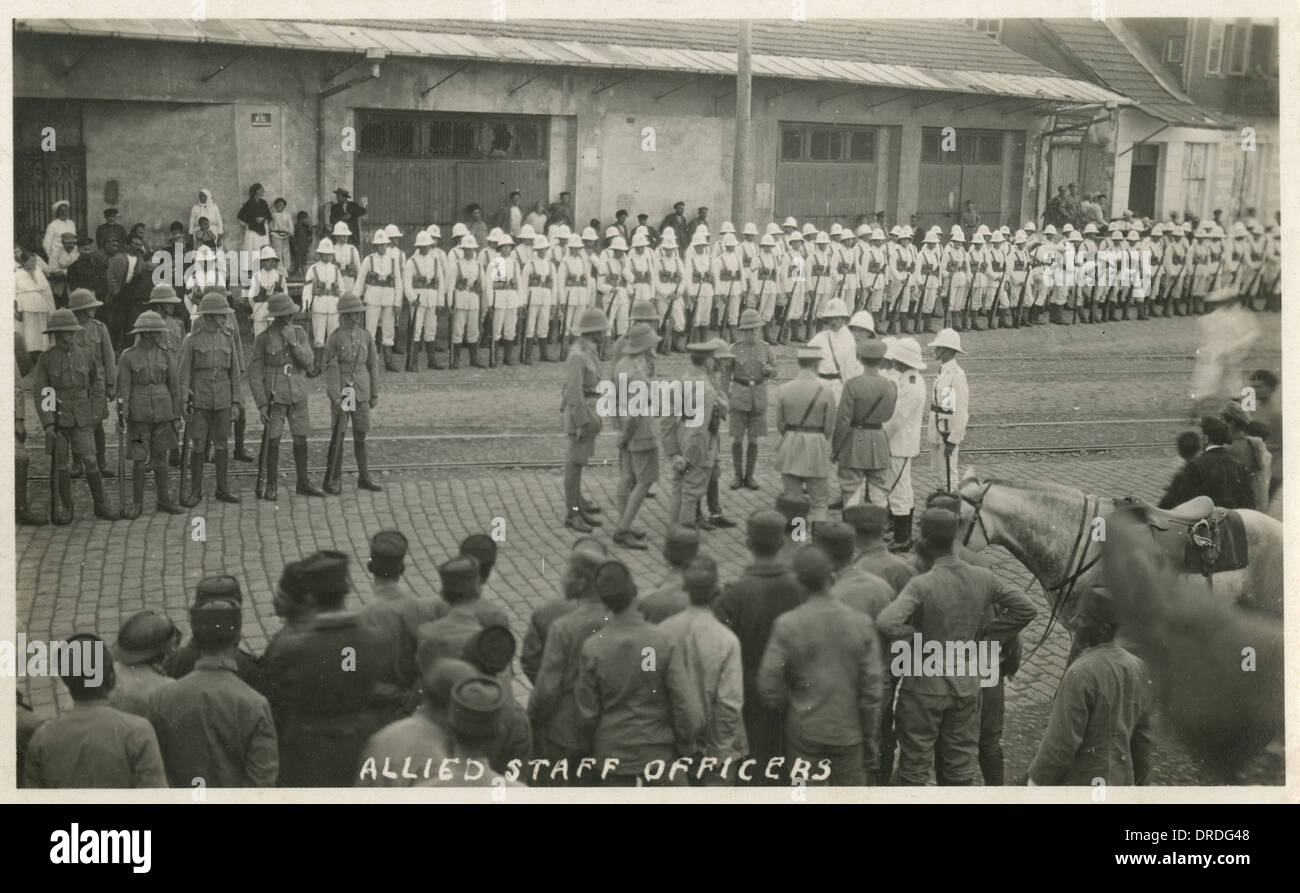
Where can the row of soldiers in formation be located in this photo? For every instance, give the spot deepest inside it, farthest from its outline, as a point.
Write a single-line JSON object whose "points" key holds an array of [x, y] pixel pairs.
{"points": [[181, 393], [851, 419], [788, 674], [526, 294]]}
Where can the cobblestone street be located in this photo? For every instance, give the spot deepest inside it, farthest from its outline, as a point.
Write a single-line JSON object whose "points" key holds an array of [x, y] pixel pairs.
{"points": [[93, 575]]}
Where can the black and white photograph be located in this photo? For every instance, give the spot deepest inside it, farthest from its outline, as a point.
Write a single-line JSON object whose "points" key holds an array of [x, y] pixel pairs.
{"points": [[794, 405]]}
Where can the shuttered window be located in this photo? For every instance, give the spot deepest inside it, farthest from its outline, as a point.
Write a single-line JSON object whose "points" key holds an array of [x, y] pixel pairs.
{"points": [[388, 135]]}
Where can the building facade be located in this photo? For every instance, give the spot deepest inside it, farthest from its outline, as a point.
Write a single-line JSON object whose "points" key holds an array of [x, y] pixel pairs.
{"points": [[422, 119]]}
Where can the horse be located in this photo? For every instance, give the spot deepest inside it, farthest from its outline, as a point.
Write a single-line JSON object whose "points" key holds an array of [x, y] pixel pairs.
{"points": [[1051, 529]]}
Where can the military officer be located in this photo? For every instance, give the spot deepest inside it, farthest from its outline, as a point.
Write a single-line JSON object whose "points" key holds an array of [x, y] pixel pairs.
{"points": [[755, 364], [163, 301], [581, 422], [859, 444], [949, 409], [320, 297], [94, 339], [638, 447], [277, 377], [208, 383], [350, 363], [66, 379], [839, 349], [643, 311], [692, 450], [149, 383], [805, 418], [903, 429]]}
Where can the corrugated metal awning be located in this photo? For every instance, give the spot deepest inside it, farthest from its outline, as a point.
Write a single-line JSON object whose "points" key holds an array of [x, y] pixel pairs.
{"points": [[344, 37]]}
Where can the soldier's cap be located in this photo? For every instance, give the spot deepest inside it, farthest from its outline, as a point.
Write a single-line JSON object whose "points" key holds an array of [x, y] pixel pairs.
{"points": [[1133, 236], [146, 635], [161, 294], [643, 310], [342, 193], [846, 235], [866, 518], [504, 240], [977, 239], [836, 229], [681, 544], [1020, 238], [439, 674], [862, 230], [388, 547], [795, 236], [1090, 229], [218, 586], [774, 228], [350, 303], [326, 573], [459, 575], [701, 575], [812, 567], [380, 238], [1232, 413], [62, 320], [423, 239], [938, 524], [525, 232], [216, 621], [593, 320], [613, 578], [721, 349], [476, 707], [639, 240], [267, 253], [288, 592], [281, 305], [808, 352], [930, 239], [944, 500], [701, 347], [863, 320], [618, 243], [837, 537], [1029, 226], [491, 649], [148, 322], [668, 239], [1076, 236], [587, 555], [874, 349], [1068, 228], [84, 299], [905, 351], [749, 229], [749, 319], [1097, 607], [640, 338], [791, 507], [392, 231], [947, 338]]}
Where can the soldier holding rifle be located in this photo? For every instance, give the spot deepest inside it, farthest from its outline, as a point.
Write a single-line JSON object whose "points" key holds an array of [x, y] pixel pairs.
{"points": [[351, 383]]}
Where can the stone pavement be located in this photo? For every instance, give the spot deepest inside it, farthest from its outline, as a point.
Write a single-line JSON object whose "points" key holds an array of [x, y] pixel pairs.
{"points": [[92, 575]]}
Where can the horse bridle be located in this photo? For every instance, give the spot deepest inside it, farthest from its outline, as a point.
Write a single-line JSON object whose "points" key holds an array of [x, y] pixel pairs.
{"points": [[1062, 591]]}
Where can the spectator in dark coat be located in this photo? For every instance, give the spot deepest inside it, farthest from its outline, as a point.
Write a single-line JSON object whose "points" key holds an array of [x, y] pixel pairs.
{"points": [[110, 227], [1216, 473], [676, 221], [348, 211]]}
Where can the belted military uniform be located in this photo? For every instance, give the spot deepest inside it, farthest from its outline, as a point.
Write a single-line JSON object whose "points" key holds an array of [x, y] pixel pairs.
{"points": [[949, 415], [755, 363], [277, 376], [805, 416], [149, 385], [699, 289], [698, 445], [859, 444], [95, 339], [351, 362]]}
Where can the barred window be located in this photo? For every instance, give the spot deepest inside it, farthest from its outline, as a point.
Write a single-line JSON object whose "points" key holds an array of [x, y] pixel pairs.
{"points": [[970, 147], [451, 136], [831, 143]]}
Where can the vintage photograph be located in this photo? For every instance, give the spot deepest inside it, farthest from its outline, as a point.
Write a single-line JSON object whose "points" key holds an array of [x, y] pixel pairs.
{"points": [[608, 403]]}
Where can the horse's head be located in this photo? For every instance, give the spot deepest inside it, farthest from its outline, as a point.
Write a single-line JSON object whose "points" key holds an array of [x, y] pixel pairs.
{"points": [[972, 532]]}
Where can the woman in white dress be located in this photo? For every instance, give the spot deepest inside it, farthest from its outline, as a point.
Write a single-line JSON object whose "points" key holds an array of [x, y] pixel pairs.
{"points": [[34, 302]]}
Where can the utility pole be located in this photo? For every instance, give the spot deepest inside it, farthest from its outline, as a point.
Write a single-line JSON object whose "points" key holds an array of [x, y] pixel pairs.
{"points": [[742, 175]]}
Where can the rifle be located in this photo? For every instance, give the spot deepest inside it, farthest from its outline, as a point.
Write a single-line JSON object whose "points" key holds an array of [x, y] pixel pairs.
{"points": [[785, 317], [947, 298], [55, 516], [489, 323], [260, 487], [763, 288], [564, 319], [695, 307], [993, 307], [411, 333], [812, 300], [521, 330], [186, 413], [334, 454], [121, 455]]}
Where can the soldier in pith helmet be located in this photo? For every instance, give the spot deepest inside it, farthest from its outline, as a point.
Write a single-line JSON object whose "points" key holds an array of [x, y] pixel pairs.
{"points": [[277, 376], [209, 387], [352, 385], [149, 384]]}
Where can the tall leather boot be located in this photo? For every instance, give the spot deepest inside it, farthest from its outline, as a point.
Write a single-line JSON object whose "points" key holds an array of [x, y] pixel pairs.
{"points": [[1127, 305], [138, 472], [508, 352], [751, 460], [390, 364], [363, 463], [272, 484], [319, 366], [455, 356], [305, 486], [223, 493], [993, 320], [738, 463], [100, 448], [526, 357], [22, 512], [241, 454], [431, 357], [65, 500], [191, 497], [902, 533], [905, 322], [102, 509], [164, 502], [1005, 319]]}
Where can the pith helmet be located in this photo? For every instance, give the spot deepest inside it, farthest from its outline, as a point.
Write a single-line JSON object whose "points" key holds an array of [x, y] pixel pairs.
{"points": [[325, 247], [281, 305], [267, 253], [341, 229], [62, 321], [149, 322], [213, 304], [834, 307], [592, 320], [84, 299], [644, 310], [947, 338], [749, 319], [350, 303]]}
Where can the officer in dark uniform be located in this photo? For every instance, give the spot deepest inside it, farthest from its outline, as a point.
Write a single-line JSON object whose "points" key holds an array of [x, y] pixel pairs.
{"points": [[581, 423], [277, 376], [350, 362], [66, 380], [755, 363], [859, 444], [320, 679], [209, 384], [149, 385]]}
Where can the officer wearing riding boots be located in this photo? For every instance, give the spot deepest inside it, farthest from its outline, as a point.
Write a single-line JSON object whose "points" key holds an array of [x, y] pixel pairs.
{"points": [[277, 376], [949, 409], [208, 373]]}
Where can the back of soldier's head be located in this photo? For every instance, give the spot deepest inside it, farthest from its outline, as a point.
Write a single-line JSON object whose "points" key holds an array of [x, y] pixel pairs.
{"points": [[85, 667], [812, 568], [700, 579], [483, 549], [614, 586], [837, 539]]}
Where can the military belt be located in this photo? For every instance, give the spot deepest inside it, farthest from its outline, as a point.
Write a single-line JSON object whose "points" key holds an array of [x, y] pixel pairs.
{"points": [[805, 429], [830, 376], [747, 382], [867, 426]]}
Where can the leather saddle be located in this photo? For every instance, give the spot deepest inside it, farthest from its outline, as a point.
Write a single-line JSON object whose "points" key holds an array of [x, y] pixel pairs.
{"points": [[1197, 536]]}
